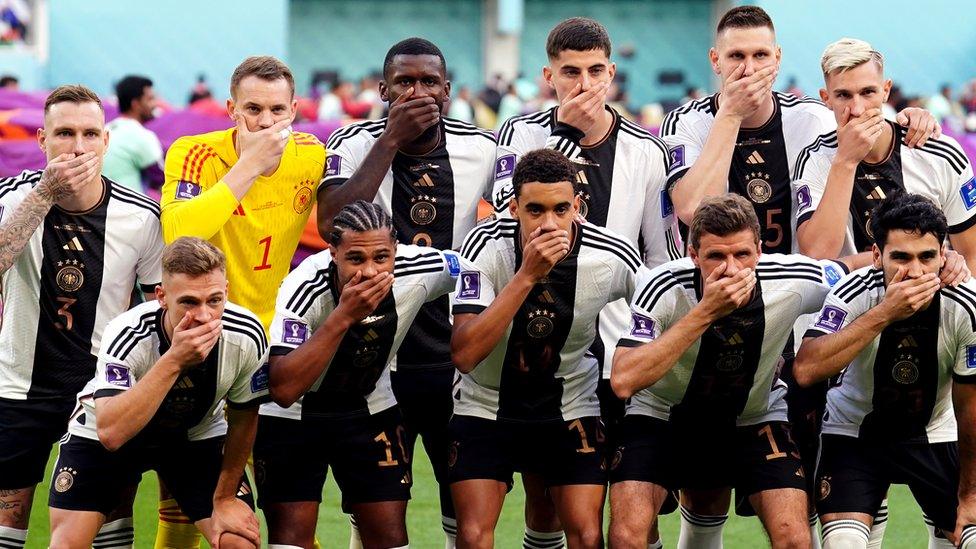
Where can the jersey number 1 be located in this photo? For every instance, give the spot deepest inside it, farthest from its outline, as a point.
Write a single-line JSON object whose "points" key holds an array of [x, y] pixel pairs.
{"points": [[267, 250]]}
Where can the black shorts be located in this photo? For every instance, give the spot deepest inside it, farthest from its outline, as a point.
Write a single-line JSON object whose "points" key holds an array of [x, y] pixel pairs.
{"points": [[560, 452], [366, 454], [87, 477], [853, 476], [806, 410], [750, 459], [28, 429]]}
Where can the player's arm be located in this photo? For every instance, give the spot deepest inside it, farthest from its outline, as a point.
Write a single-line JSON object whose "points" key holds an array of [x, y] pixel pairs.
{"points": [[231, 514], [709, 175], [63, 176], [293, 374], [636, 368], [408, 119], [474, 335], [124, 415], [828, 350], [203, 215]]}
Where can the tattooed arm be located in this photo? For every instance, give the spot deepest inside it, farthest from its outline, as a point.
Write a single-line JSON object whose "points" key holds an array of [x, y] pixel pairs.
{"points": [[62, 176]]}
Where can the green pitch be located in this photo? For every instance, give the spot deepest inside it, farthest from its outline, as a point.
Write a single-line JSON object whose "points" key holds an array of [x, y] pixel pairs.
{"points": [[905, 527]]}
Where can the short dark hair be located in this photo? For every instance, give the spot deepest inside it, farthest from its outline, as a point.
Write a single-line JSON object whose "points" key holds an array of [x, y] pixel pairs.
{"points": [[71, 93], [577, 34], [745, 17], [413, 46], [544, 166], [265, 67], [908, 212], [8, 79], [359, 217], [130, 89], [722, 215], [193, 257]]}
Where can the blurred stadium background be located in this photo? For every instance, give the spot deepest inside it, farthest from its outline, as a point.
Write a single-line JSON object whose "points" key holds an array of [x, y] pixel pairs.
{"points": [[495, 50]]}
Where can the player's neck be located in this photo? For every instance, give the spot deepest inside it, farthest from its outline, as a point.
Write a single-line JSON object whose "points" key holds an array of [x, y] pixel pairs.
{"points": [[86, 198], [599, 130], [168, 326], [882, 146], [423, 145], [130, 116], [762, 114]]}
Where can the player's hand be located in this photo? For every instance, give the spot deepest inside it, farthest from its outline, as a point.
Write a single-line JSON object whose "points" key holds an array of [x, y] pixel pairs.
{"points": [[410, 117], [67, 174], [724, 294], [965, 519], [921, 125], [743, 95], [361, 296], [955, 271], [263, 148], [856, 135], [903, 298], [236, 517], [583, 109], [191, 346], [543, 250]]}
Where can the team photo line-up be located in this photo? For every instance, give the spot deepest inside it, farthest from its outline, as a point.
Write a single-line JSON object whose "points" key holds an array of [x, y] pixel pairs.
{"points": [[771, 300]]}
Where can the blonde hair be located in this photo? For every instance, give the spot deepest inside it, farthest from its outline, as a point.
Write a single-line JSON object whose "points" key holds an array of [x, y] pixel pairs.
{"points": [[848, 53], [192, 256], [266, 68]]}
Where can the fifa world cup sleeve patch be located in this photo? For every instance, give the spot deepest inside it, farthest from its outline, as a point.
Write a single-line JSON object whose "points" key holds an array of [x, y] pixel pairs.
{"points": [[968, 192], [831, 275], [641, 326], [118, 375], [259, 381], [470, 285], [803, 199], [332, 165], [831, 319], [505, 166], [453, 264], [970, 356], [667, 207], [187, 190], [294, 332], [677, 156]]}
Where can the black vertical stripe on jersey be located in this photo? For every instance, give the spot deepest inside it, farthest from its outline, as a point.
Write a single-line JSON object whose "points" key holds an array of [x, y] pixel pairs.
{"points": [[529, 389], [428, 343], [776, 213], [725, 368], [901, 406], [358, 362], [63, 359], [597, 184], [189, 399], [885, 176]]}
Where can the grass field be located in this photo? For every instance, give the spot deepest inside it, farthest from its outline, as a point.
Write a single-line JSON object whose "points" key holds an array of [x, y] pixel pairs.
{"points": [[905, 527]]}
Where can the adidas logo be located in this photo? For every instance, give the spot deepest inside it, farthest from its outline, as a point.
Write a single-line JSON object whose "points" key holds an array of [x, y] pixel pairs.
{"points": [[755, 158], [735, 339], [74, 245], [424, 181], [546, 297], [909, 341], [239, 210], [184, 383], [581, 178], [877, 194], [370, 336]]}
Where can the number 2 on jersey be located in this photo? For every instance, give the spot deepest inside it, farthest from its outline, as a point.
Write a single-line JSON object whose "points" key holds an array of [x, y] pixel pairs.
{"points": [[266, 241]]}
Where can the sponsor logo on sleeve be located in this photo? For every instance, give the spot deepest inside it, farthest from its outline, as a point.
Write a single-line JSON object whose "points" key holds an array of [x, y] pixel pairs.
{"points": [[259, 381], [803, 199], [505, 166], [187, 190], [294, 332], [831, 319], [453, 264], [641, 326], [333, 163], [677, 156], [667, 207], [118, 375], [470, 285], [968, 192], [831, 274]]}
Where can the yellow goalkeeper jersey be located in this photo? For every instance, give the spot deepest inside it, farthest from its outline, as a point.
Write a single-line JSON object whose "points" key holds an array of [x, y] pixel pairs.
{"points": [[258, 235]]}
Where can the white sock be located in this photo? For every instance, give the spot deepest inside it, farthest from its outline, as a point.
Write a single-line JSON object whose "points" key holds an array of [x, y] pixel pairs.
{"points": [[878, 528], [700, 531], [845, 534], [659, 544], [450, 531], [935, 542], [355, 542], [968, 538], [12, 538], [117, 534], [542, 540], [814, 533], [282, 546]]}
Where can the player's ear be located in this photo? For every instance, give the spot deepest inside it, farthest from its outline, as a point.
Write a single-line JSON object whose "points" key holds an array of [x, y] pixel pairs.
{"points": [[384, 91], [824, 97], [612, 70], [447, 89], [230, 109], [713, 59], [41, 138], [876, 256], [547, 75], [693, 254], [513, 207], [886, 89], [160, 295]]}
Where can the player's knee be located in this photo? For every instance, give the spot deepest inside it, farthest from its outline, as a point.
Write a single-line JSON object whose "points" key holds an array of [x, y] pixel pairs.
{"points": [[845, 534], [229, 540], [474, 534], [627, 534], [788, 533], [588, 536]]}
